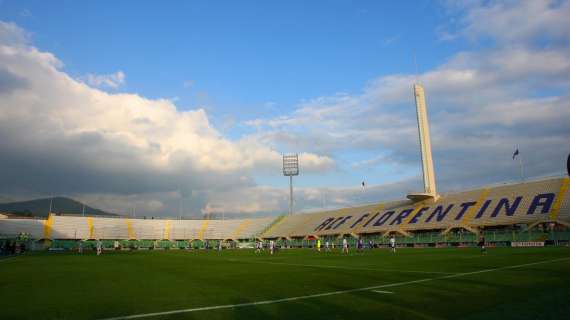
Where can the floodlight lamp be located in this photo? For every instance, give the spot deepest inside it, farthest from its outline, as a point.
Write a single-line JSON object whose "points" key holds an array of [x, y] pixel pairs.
{"points": [[291, 165]]}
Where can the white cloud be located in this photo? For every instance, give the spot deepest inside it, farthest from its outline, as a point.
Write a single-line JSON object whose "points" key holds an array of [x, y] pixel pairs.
{"points": [[81, 140], [11, 34], [518, 21], [113, 80]]}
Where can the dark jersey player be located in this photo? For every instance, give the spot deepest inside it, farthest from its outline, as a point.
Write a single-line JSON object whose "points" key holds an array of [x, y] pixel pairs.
{"points": [[482, 244]]}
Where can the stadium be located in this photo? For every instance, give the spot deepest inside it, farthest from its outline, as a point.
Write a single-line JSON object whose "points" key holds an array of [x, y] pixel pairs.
{"points": [[494, 251], [533, 212], [528, 216]]}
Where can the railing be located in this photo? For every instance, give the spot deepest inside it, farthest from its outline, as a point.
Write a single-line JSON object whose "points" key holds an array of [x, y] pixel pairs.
{"points": [[421, 239]]}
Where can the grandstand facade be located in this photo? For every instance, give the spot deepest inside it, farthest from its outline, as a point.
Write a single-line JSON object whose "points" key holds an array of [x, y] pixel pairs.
{"points": [[527, 204]]}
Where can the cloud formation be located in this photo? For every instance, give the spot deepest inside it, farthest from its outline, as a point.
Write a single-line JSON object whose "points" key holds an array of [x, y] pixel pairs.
{"points": [[113, 80], [124, 152], [65, 136], [482, 103], [517, 21]]}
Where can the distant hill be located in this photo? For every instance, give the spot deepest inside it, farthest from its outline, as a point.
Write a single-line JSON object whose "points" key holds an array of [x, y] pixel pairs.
{"points": [[40, 207]]}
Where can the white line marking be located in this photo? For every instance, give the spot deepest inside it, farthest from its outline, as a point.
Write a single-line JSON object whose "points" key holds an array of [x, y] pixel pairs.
{"points": [[341, 267], [325, 294], [382, 291]]}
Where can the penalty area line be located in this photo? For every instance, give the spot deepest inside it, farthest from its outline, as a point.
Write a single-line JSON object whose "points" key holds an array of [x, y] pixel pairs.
{"points": [[326, 294]]}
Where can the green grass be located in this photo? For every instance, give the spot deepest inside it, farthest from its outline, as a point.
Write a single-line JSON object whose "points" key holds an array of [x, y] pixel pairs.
{"points": [[72, 286]]}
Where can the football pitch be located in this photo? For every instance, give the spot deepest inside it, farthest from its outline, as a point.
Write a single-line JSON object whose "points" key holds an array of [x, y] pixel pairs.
{"points": [[460, 283]]}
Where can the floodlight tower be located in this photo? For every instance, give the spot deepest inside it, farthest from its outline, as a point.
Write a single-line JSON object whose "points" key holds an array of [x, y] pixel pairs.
{"points": [[425, 148], [290, 169]]}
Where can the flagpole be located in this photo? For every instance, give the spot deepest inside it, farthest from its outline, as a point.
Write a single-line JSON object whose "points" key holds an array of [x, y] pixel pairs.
{"points": [[362, 193], [521, 167]]}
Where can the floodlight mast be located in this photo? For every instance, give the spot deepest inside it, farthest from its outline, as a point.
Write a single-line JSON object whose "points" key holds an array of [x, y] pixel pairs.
{"points": [[425, 149], [290, 169]]}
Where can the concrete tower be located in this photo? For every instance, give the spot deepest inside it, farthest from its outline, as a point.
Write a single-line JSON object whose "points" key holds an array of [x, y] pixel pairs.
{"points": [[425, 148]]}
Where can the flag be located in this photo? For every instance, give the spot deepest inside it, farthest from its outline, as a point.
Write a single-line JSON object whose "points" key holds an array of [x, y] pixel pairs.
{"points": [[515, 154]]}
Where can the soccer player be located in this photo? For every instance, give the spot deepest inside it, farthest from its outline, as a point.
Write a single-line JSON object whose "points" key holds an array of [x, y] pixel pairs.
{"points": [[271, 246], [344, 246], [80, 247], [393, 244], [482, 244], [319, 245], [327, 248], [99, 247]]}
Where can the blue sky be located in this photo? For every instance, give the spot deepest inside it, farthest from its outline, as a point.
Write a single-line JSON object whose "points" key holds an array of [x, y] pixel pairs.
{"points": [[325, 78], [245, 55], [240, 60]]}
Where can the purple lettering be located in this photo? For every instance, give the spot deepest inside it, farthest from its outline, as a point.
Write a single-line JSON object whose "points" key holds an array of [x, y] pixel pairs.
{"points": [[418, 214], [370, 220], [362, 217], [401, 216], [439, 212], [324, 224], [509, 209], [542, 200], [464, 207], [332, 224], [342, 221], [383, 218], [483, 209]]}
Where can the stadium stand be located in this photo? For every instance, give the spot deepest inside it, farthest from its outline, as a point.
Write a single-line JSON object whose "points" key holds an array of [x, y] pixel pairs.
{"points": [[534, 211], [86, 228], [529, 203]]}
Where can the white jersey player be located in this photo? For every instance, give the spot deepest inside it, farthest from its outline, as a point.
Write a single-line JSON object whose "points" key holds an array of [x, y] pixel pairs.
{"points": [[344, 246], [393, 244], [99, 247], [271, 246]]}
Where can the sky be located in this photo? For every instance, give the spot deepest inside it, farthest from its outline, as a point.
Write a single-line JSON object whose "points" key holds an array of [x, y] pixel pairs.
{"points": [[184, 108]]}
